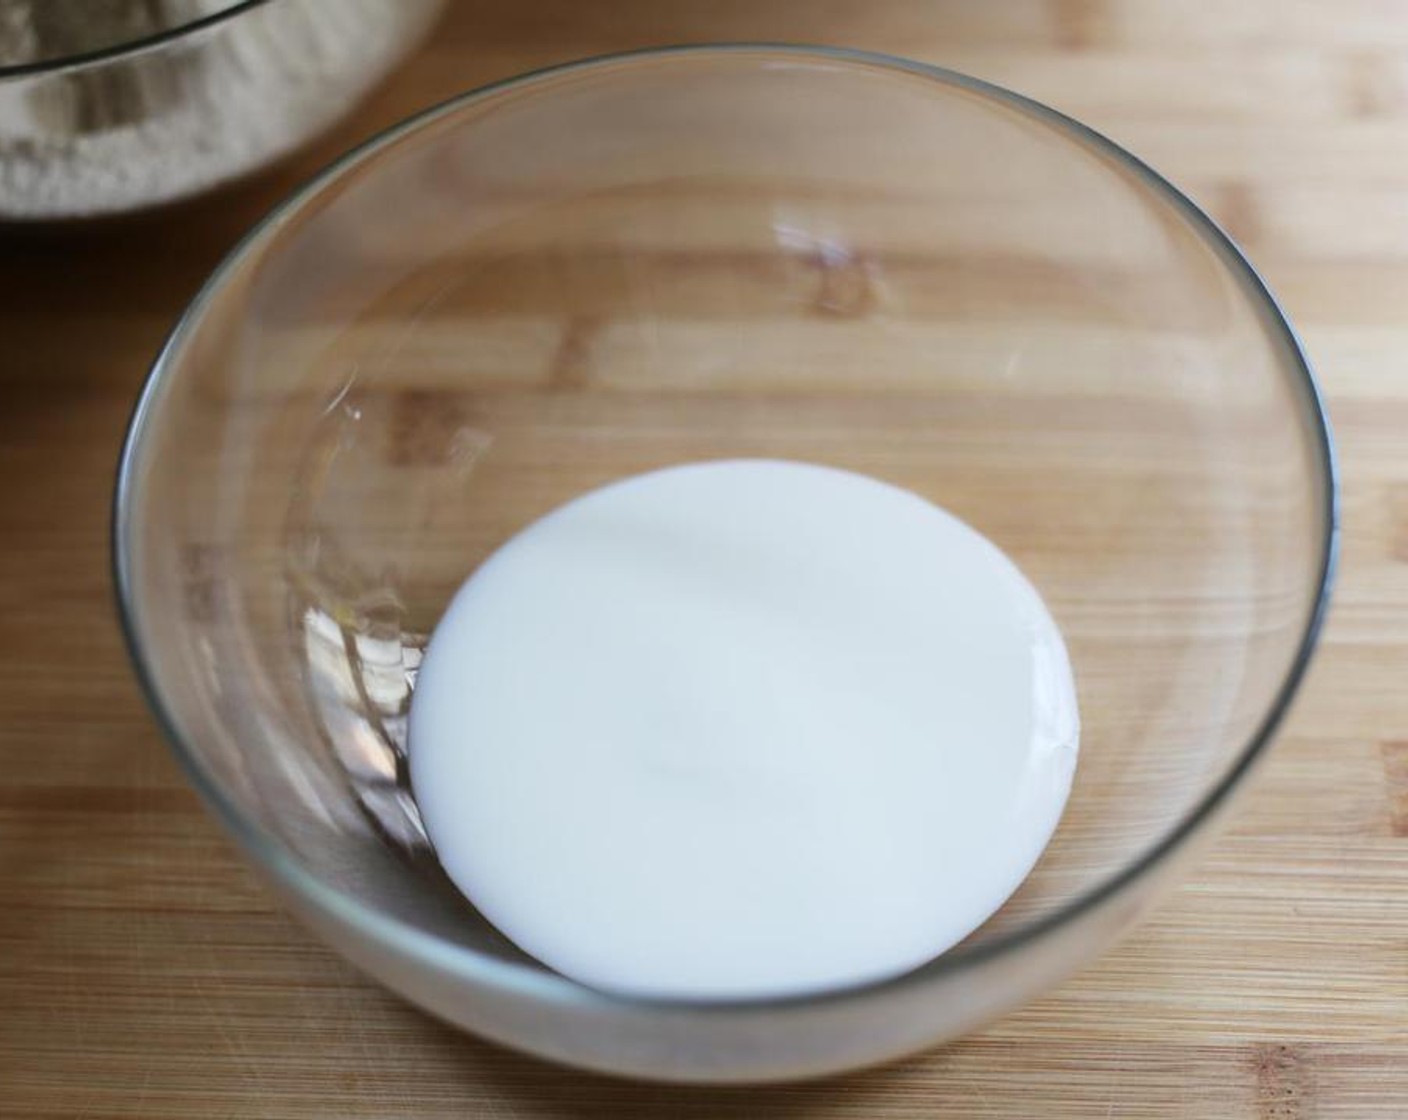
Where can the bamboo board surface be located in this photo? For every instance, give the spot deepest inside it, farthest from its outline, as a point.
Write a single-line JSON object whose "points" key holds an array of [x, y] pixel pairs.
{"points": [[143, 971]]}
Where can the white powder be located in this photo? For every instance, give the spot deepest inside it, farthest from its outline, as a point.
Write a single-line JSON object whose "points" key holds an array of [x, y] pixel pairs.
{"points": [[169, 122]]}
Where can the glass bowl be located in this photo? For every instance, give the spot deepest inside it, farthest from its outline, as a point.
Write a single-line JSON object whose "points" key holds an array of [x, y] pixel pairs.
{"points": [[110, 106], [699, 253]]}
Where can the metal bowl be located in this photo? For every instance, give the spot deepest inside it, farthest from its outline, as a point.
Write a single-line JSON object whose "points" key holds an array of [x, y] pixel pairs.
{"points": [[110, 106]]}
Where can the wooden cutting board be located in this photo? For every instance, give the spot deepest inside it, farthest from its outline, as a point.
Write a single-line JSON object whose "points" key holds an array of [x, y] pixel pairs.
{"points": [[143, 973]]}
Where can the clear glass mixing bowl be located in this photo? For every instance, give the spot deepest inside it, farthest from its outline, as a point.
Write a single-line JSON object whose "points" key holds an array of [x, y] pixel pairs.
{"points": [[680, 255]]}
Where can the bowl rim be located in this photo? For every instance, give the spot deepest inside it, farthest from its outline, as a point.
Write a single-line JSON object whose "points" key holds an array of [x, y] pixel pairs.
{"points": [[402, 938], [124, 47]]}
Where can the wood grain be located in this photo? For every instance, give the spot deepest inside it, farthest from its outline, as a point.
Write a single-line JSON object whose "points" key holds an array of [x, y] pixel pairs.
{"points": [[143, 973]]}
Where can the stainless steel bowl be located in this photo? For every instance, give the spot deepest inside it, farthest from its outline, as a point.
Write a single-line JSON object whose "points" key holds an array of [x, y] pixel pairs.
{"points": [[108, 106]]}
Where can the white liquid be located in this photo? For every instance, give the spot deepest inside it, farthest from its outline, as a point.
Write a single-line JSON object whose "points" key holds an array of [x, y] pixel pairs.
{"points": [[743, 729]]}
